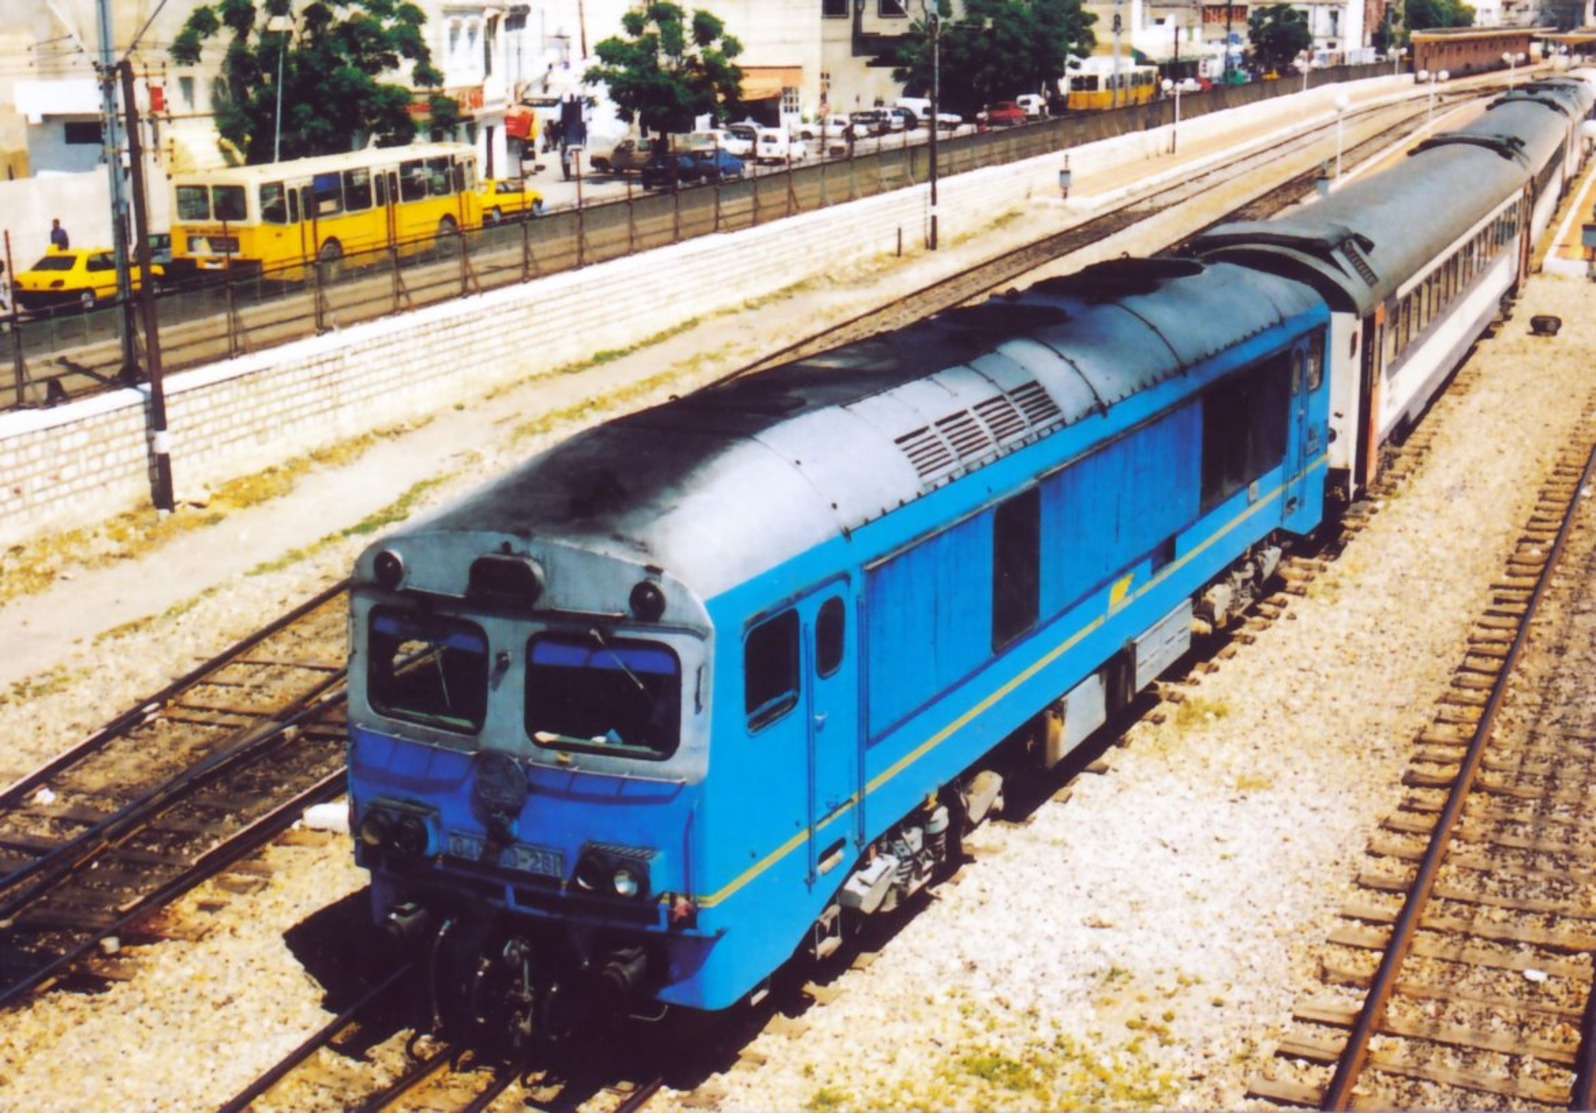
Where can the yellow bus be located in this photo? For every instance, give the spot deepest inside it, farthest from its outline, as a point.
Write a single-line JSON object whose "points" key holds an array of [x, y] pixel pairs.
{"points": [[274, 218], [1093, 86]]}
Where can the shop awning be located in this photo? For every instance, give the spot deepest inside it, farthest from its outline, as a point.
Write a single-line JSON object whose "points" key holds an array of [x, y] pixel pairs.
{"points": [[760, 83]]}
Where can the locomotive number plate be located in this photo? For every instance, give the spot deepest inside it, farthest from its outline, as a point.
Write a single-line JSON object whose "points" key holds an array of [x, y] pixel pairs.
{"points": [[519, 858]]}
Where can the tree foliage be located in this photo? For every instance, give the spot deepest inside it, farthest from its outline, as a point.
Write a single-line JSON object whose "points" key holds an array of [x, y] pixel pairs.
{"points": [[331, 62], [1426, 15], [1278, 33], [996, 50], [668, 69]]}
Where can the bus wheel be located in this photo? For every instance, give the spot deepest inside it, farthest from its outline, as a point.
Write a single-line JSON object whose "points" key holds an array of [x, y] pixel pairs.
{"points": [[86, 300], [331, 259], [447, 228], [493, 216]]}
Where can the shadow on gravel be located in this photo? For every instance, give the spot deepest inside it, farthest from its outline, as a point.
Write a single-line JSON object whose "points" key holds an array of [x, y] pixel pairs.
{"points": [[340, 949]]}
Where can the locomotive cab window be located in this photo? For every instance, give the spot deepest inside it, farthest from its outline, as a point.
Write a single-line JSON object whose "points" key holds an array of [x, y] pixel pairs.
{"points": [[428, 670], [1016, 566], [770, 669], [1244, 428], [589, 693], [830, 630]]}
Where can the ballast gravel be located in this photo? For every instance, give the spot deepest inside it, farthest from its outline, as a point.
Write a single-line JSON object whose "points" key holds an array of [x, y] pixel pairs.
{"points": [[1139, 946]]}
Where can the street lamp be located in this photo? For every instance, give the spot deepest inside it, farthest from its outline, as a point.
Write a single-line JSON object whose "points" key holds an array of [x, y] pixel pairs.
{"points": [[279, 25], [1512, 61], [1342, 105], [1173, 87], [1425, 76]]}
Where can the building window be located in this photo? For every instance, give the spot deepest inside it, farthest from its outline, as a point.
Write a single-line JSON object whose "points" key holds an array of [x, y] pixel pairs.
{"points": [[84, 132], [834, 9], [789, 101], [892, 9]]}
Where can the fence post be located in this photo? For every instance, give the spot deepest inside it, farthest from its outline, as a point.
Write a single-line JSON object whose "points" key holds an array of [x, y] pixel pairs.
{"points": [[18, 366]]}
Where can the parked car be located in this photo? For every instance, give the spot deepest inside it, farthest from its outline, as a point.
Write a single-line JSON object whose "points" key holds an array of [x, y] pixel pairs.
{"points": [[875, 122], [508, 199], [715, 164], [709, 139], [747, 131], [1034, 105], [772, 145], [1001, 114], [666, 170], [949, 121], [626, 156], [837, 126], [72, 279]]}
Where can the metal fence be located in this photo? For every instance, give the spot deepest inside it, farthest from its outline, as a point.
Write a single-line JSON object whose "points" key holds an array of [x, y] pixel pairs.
{"points": [[59, 357]]}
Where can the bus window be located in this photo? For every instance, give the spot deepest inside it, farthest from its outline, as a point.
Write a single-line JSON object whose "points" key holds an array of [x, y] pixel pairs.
{"points": [[228, 203], [273, 204], [357, 189], [412, 181], [439, 180], [193, 203], [382, 190], [329, 194]]}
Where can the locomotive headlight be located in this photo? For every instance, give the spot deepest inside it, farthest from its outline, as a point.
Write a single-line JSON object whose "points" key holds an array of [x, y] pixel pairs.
{"points": [[376, 828], [389, 568], [410, 835], [625, 882], [590, 872]]}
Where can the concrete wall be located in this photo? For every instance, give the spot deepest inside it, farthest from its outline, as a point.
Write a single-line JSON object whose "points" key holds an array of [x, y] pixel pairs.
{"points": [[81, 462]]}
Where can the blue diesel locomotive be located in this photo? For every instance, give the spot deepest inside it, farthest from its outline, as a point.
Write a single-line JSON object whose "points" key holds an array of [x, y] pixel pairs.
{"points": [[693, 691]]}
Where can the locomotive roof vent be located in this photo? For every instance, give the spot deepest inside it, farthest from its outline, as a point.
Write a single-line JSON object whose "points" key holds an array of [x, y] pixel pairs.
{"points": [[506, 580]]}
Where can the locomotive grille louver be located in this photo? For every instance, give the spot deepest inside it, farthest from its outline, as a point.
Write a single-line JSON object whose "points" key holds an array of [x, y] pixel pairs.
{"points": [[967, 435], [1001, 417], [925, 451], [1359, 264], [1039, 408]]}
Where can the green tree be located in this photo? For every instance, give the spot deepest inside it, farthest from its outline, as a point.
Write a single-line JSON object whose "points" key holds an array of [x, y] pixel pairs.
{"points": [[1278, 33], [996, 50], [1427, 15], [667, 70], [331, 57]]}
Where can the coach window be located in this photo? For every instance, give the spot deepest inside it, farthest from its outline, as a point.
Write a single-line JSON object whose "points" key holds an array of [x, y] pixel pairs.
{"points": [[1016, 566], [193, 203], [357, 189], [273, 204], [770, 669], [412, 180], [228, 203], [830, 631]]}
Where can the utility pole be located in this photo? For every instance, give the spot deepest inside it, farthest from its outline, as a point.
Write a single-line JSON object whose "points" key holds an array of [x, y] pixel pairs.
{"points": [[936, 89], [113, 167], [160, 440]]}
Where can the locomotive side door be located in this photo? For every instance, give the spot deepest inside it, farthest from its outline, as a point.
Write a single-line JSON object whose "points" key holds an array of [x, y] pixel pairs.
{"points": [[830, 664]]}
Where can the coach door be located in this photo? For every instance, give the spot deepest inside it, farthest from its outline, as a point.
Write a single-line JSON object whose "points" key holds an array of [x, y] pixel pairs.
{"points": [[830, 664]]}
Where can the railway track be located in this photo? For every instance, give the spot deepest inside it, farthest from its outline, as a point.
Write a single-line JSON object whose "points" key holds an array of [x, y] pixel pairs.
{"points": [[179, 787], [1460, 977], [79, 864]]}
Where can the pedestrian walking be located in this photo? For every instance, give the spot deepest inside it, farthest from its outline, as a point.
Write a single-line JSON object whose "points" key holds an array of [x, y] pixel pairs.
{"points": [[58, 235]]}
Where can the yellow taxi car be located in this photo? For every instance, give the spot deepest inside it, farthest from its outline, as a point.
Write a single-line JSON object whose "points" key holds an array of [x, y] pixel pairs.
{"points": [[508, 199], [72, 279]]}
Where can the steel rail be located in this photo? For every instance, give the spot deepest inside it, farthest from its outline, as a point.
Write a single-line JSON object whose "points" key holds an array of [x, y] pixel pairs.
{"points": [[148, 708], [280, 1070], [1355, 1053], [205, 866]]}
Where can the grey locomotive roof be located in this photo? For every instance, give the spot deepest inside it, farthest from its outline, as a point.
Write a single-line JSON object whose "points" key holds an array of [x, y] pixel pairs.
{"points": [[728, 481], [1359, 244]]}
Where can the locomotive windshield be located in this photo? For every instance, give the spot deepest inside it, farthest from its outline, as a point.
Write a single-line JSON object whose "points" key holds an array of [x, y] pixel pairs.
{"points": [[588, 693], [428, 670]]}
